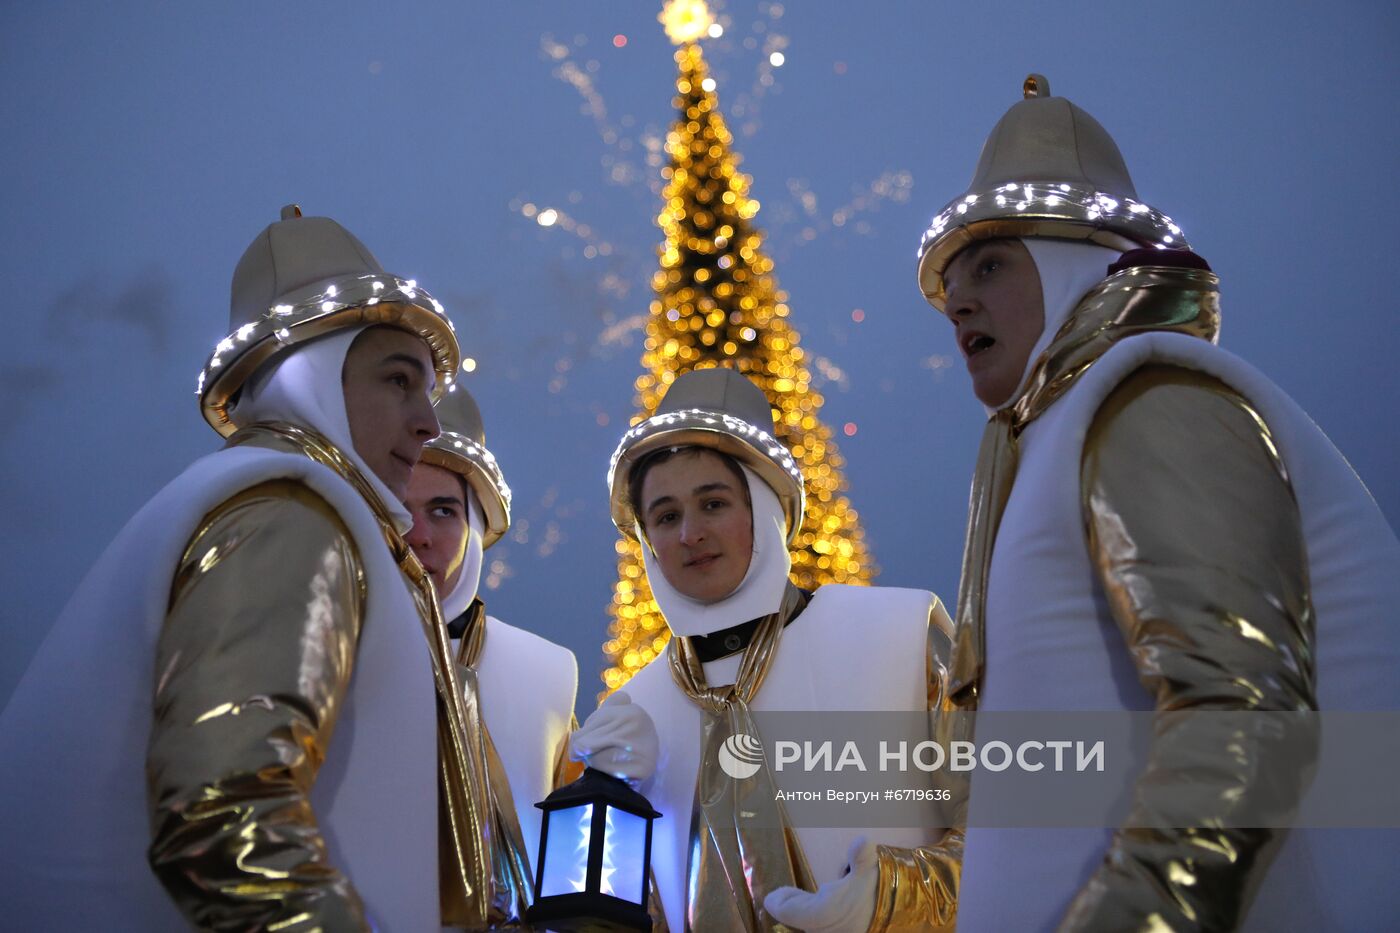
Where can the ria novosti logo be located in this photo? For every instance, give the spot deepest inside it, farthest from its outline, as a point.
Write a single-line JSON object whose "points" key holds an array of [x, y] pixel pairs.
{"points": [[741, 756]]}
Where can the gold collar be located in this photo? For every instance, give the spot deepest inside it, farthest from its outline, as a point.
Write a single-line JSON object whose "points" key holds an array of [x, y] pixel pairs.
{"points": [[281, 435], [1129, 302]]}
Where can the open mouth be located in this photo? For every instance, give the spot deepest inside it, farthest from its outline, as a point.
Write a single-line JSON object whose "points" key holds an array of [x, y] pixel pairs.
{"points": [[974, 343]]}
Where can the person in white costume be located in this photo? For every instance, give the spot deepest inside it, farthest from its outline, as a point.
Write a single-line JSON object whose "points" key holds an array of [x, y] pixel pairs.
{"points": [[715, 500], [1155, 526], [519, 728], [233, 724]]}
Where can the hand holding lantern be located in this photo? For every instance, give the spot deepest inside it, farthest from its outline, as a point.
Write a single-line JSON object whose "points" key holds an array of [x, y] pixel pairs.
{"points": [[619, 739]]}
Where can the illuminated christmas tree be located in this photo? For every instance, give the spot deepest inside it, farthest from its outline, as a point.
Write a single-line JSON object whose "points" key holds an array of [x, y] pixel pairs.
{"points": [[718, 304]]}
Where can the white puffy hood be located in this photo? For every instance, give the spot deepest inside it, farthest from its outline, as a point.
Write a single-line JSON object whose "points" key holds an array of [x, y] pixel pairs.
{"points": [[1068, 269], [761, 591], [304, 387], [464, 590]]}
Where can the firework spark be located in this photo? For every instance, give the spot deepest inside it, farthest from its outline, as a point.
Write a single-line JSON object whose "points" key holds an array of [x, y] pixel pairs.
{"points": [[554, 217]]}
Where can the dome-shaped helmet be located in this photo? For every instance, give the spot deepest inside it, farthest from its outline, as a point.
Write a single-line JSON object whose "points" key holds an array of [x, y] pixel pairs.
{"points": [[720, 409], [1048, 169], [303, 277]]}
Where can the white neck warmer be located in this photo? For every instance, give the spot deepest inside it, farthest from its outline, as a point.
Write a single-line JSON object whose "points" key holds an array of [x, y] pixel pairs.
{"points": [[304, 387], [464, 591], [1068, 269], [761, 591]]}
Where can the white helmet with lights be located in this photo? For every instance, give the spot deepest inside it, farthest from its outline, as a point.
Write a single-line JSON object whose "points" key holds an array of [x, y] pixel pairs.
{"points": [[723, 410], [1048, 169], [461, 448], [302, 278]]}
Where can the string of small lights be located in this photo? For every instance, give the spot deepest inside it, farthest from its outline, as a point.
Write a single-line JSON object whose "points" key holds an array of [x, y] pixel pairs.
{"points": [[718, 304]]}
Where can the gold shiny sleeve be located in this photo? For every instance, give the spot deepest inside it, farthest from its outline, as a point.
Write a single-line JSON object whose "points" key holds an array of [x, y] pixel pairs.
{"points": [[252, 668], [1196, 538], [917, 889]]}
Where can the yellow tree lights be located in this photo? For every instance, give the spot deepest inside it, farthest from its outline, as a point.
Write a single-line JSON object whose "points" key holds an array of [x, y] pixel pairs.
{"points": [[718, 304]]}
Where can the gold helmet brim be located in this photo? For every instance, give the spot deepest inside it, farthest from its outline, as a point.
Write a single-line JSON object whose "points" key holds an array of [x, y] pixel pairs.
{"points": [[478, 467], [752, 446], [348, 301], [1040, 209]]}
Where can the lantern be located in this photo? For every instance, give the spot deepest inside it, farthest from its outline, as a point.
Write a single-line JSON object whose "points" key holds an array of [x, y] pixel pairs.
{"points": [[594, 865]]}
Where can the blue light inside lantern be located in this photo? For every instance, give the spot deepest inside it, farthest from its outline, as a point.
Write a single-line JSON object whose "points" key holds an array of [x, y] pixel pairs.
{"points": [[566, 870], [624, 853], [624, 856], [594, 845]]}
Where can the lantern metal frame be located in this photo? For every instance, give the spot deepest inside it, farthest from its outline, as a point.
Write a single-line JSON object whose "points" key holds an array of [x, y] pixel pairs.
{"points": [[590, 910]]}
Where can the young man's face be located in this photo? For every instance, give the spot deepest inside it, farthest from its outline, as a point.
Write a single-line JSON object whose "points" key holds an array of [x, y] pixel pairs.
{"points": [[699, 523], [437, 501], [997, 312], [387, 378]]}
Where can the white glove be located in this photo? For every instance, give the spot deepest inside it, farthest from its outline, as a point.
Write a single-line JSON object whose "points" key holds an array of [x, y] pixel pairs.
{"points": [[846, 905], [618, 739]]}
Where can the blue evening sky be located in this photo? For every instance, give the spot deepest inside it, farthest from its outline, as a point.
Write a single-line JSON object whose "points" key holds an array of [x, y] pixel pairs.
{"points": [[147, 143]]}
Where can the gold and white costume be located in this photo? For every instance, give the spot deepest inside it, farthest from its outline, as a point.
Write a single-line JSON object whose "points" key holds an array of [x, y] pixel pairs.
{"points": [[1156, 526], [840, 648], [253, 687]]}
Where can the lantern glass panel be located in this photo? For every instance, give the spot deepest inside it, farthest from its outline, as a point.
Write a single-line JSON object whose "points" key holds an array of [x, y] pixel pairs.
{"points": [[566, 851], [624, 856]]}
